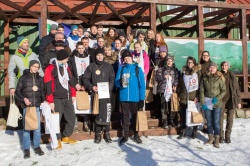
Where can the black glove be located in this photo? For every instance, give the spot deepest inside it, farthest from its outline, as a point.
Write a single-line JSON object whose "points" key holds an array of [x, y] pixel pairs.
{"points": [[141, 104]]}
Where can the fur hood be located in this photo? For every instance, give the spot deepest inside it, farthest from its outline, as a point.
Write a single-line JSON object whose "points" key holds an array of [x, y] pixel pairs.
{"points": [[217, 74], [195, 69]]}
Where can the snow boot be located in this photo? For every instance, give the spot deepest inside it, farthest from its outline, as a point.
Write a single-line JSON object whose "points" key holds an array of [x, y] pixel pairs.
{"points": [[97, 138], [171, 124], [68, 140], [216, 142], [137, 139], [123, 140], [183, 134], [227, 138], [86, 127], [210, 139], [107, 138], [165, 124], [39, 151], [194, 132], [59, 146], [221, 137], [26, 153]]}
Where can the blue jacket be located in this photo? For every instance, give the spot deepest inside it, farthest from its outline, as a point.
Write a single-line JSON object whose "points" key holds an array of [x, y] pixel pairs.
{"points": [[135, 91]]}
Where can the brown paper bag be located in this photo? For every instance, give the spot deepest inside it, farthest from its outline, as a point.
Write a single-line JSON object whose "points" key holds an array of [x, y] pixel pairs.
{"points": [[82, 100], [196, 117], [96, 104], [175, 102], [152, 79], [31, 121], [149, 96], [141, 121]]}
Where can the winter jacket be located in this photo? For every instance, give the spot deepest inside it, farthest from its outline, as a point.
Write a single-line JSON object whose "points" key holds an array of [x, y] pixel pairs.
{"points": [[234, 93], [213, 85], [146, 62], [151, 51], [135, 91], [24, 89], [160, 77], [113, 61], [53, 88], [21, 63], [205, 66], [45, 41], [182, 90]]}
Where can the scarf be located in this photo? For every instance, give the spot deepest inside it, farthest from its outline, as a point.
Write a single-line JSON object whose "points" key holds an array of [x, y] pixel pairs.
{"points": [[22, 51], [64, 80], [138, 58], [74, 37]]}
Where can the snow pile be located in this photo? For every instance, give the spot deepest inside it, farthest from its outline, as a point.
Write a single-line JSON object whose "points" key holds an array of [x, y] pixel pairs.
{"points": [[161, 150]]}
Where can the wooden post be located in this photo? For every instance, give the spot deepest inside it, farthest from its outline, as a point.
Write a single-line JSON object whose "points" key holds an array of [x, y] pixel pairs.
{"points": [[153, 16], [128, 30], [243, 36], [6, 55], [44, 11], [200, 29]]}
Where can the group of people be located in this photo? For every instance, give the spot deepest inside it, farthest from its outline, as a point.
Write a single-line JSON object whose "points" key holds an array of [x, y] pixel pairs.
{"points": [[125, 64]]}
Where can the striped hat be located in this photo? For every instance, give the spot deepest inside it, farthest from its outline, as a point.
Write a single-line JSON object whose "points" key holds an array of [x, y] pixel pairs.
{"points": [[21, 40]]}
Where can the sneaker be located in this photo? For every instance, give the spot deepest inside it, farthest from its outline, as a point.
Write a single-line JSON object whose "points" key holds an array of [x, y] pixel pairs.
{"points": [[137, 139], [59, 147], [123, 140], [67, 140], [39, 151], [26, 154]]}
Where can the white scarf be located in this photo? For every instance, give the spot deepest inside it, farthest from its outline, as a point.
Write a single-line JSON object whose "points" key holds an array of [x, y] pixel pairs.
{"points": [[81, 65], [64, 80], [140, 59], [168, 90]]}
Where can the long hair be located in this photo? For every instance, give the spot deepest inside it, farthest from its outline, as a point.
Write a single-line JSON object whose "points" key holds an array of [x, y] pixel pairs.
{"points": [[162, 42], [108, 38], [192, 59]]}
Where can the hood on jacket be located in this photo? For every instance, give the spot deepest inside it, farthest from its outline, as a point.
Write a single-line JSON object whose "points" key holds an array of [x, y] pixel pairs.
{"points": [[27, 72], [194, 69]]}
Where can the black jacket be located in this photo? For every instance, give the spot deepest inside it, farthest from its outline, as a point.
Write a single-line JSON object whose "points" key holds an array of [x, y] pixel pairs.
{"points": [[45, 41], [24, 89]]}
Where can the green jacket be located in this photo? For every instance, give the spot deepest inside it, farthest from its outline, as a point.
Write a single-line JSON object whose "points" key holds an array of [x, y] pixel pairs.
{"points": [[213, 85], [181, 88]]}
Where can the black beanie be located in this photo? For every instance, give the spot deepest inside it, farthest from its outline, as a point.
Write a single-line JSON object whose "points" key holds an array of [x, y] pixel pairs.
{"points": [[99, 51], [32, 62], [62, 54], [126, 53]]}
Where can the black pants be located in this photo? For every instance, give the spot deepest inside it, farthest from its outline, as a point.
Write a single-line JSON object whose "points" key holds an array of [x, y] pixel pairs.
{"points": [[166, 113], [99, 128], [183, 108], [126, 108], [157, 105], [65, 107]]}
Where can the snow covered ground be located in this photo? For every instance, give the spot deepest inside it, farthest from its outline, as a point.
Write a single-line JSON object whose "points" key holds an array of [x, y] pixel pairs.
{"points": [[161, 150]]}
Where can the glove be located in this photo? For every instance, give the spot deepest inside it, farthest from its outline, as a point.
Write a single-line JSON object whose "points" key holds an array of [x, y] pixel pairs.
{"points": [[204, 107], [141, 104], [214, 100]]}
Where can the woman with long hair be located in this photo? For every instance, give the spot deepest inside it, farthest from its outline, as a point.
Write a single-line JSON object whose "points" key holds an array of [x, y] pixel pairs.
{"points": [[110, 36]]}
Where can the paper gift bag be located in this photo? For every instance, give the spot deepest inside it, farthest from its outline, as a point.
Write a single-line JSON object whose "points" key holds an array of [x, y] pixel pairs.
{"points": [[82, 100], [14, 114], [149, 96], [31, 121], [197, 117], [141, 121], [55, 120], [175, 102], [151, 80], [96, 104]]}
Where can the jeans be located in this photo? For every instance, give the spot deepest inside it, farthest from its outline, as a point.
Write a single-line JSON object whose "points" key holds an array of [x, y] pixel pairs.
{"points": [[36, 133], [213, 121]]}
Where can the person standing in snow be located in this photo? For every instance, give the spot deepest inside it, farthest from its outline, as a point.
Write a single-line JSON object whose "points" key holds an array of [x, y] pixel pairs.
{"points": [[213, 87], [30, 92], [131, 84]]}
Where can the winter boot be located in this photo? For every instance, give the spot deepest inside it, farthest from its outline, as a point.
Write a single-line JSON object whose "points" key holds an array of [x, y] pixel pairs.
{"points": [[194, 133], [216, 142], [39, 151], [183, 134], [221, 137], [137, 139], [59, 147], [210, 139], [68, 140], [86, 127], [123, 140], [97, 138], [227, 138], [107, 138], [171, 124], [165, 124], [26, 153]]}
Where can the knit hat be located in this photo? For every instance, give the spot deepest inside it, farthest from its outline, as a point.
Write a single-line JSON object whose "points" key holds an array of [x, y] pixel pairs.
{"points": [[121, 33], [32, 62], [126, 53], [99, 51], [53, 27], [163, 49], [213, 64], [74, 27], [61, 55], [59, 43], [170, 57], [222, 63], [21, 40]]}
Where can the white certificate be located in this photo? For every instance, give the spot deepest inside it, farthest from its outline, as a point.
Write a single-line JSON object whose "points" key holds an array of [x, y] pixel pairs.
{"points": [[103, 90], [209, 103]]}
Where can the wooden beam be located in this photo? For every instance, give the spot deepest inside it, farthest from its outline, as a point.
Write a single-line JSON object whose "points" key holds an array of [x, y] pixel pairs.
{"points": [[200, 21], [83, 5], [94, 12], [43, 18], [191, 26], [59, 16], [128, 29], [243, 36], [173, 11], [6, 55], [184, 20], [140, 20], [3, 15], [102, 18], [139, 13], [158, 14], [153, 16], [112, 8], [185, 12], [215, 13], [224, 21]]}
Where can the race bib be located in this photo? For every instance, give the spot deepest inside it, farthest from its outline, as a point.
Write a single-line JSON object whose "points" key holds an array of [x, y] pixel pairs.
{"points": [[191, 82]]}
